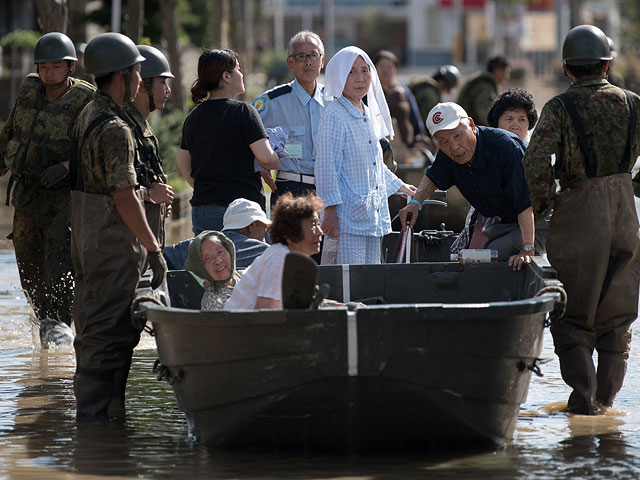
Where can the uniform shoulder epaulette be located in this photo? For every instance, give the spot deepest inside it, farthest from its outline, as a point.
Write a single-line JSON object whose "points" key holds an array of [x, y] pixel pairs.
{"points": [[279, 91]]}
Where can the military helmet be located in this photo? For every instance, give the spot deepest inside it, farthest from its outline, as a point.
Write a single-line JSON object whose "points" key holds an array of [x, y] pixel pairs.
{"points": [[612, 47], [449, 73], [80, 48], [155, 65], [110, 52], [54, 46], [585, 44]]}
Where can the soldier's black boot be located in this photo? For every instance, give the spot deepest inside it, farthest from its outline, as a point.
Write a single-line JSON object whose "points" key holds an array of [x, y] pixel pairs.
{"points": [[93, 395], [612, 368], [576, 366]]}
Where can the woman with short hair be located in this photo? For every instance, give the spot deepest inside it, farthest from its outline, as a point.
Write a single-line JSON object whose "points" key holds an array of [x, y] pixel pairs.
{"points": [[296, 228]]}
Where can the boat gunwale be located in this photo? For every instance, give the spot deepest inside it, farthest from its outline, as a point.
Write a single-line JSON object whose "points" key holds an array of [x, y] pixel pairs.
{"points": [[472, 310]]}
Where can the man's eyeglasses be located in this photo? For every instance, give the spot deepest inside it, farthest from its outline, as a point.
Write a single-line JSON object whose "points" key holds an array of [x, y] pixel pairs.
{"points": [[303, 57]]}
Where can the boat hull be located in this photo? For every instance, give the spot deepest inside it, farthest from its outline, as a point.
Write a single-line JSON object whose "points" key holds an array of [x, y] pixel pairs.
{"points": [[391, 377]]}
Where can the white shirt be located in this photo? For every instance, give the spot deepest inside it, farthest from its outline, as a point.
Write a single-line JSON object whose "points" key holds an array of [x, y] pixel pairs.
{"points": [[263, 278]]}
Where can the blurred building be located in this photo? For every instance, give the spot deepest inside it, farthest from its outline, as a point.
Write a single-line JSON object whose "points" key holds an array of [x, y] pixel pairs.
{"points": [[430, 32]]}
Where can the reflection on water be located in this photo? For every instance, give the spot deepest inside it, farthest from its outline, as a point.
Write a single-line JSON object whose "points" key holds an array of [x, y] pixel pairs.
{"points": [[39, 437]]}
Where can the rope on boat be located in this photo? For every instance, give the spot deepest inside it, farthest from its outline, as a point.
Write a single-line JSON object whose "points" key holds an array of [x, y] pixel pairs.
{"points": [[560, 307], [164, 373], [535, 366], [139, 317]]}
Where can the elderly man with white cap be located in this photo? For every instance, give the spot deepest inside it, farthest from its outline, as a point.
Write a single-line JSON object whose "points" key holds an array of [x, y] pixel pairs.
{"points": [[351, 177], [486, 165], [244, 223]]}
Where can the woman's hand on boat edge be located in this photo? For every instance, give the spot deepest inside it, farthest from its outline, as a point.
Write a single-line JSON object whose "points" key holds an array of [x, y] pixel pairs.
{"points": [[518, 260]]}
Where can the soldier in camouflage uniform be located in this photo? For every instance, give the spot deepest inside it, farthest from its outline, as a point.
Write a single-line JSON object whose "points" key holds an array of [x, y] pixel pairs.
{"points": [[480, 91], [35, 147], [429, 90], [593, 238], [111, 239], [152, 94]]}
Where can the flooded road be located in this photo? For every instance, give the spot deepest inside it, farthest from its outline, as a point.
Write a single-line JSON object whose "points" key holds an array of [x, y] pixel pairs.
{"points": [[40, 440]]}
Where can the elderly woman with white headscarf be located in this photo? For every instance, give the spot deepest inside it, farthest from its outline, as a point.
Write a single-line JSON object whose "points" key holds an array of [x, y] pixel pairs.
{"points": [[351, 177]]}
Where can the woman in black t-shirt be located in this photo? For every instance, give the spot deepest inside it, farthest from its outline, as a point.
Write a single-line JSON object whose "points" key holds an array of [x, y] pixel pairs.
{"points": [[220, 139]]}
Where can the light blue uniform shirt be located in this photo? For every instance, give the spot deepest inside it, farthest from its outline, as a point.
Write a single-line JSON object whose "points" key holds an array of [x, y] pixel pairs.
{"points": [[289, 106], [350, 172]]}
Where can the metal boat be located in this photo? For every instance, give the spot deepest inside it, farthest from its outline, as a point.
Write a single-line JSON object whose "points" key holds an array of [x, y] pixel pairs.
{"points": [[441, 357]]}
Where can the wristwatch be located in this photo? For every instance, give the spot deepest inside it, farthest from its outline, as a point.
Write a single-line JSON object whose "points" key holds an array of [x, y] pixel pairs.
{"points": [[527, 248]]}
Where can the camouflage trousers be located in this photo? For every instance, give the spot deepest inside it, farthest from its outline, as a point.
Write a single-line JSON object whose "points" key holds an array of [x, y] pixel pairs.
{"points": [[43, 253]]}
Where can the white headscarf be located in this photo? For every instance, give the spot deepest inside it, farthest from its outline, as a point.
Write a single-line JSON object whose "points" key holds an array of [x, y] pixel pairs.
{"points": [[336, 76]]}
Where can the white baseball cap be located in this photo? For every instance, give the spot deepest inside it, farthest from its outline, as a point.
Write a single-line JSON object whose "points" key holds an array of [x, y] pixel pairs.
{"points": [[241, 213], [445, 116]]}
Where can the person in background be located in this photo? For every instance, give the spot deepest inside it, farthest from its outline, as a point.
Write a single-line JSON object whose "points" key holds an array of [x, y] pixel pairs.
{"points": [[429, 91], [295, 227], [514, 111], [481, 90], [212, 263], [111, 239], [351, 177], [244, 224], [401, 102], [297, 107], [614, 77], [152, 95], [80, 71], [220, 139], [35, 146], [593, 238], [486, 165]]}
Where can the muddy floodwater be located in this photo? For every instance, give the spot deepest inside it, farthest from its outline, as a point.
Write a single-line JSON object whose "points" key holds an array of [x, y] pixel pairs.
{"points": [[40, 440]]}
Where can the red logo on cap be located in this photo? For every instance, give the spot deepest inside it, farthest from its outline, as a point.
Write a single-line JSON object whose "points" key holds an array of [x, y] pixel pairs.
{"points": [[437, 118]]}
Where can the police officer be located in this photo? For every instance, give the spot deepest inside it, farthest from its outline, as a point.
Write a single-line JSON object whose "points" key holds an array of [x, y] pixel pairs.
{"points": [[35, 145], [297, 108], [593, 130], [153, 93], [110, 235], [479, 92], [429, 90]]}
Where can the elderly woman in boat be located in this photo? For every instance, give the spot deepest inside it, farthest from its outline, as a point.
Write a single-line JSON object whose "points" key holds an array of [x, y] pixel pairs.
{"points": [[295, 227], [212, 262], [351, 177]]}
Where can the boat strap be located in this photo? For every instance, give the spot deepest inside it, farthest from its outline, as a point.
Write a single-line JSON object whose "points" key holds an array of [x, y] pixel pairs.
{"points": [[352, 344], [346, 285]]}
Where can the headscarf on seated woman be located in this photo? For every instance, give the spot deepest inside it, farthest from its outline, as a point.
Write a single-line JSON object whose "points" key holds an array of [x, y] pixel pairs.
{"points": [[216, 291]]}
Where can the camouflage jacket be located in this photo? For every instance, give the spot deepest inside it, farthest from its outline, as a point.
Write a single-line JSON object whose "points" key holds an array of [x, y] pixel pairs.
{"points": [[605, 115], [427, 93], [107, 156], [477, 96], [37, 133], [148, 147]]}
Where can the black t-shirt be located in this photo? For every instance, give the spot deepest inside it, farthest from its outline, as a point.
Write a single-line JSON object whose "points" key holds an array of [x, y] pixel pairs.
{"points": [[217, 134]]}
